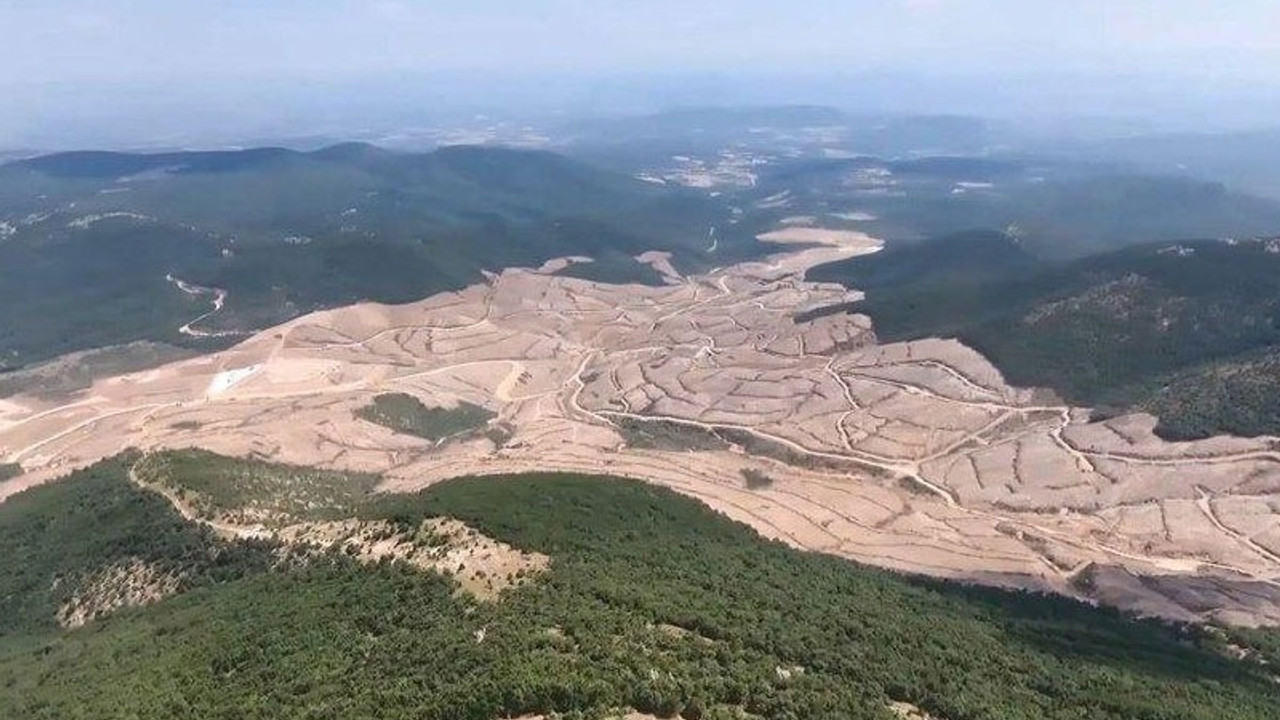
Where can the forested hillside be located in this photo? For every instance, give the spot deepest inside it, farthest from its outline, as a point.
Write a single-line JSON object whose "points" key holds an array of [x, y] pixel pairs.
{"points": [[1188, 330], [92, 243], [652, 602]]}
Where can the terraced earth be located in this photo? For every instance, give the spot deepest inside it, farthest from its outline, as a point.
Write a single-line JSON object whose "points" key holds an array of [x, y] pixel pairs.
{"points": [[915, 456]]}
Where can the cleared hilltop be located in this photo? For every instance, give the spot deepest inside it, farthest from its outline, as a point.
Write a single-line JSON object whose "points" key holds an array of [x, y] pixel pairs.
{"points": [[916, 456]]}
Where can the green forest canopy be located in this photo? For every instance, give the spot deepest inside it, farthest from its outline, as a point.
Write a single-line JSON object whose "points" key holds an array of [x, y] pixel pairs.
{"points": [[653, 602]]}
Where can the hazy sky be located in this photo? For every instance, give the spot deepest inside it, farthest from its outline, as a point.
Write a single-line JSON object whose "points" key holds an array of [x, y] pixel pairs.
{"points": [[73, 40], [151, 72]]}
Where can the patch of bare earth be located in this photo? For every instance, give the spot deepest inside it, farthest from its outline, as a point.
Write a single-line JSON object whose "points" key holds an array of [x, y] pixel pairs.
{"points": [[483, 567], [625, 715], [128, 584], [907, 711], [916, 456]]}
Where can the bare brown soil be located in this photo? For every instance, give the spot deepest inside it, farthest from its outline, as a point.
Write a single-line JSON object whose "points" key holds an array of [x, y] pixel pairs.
{"points": [[915, 456], [907, 711], [482, 567], [630, 715], [129, 584]]}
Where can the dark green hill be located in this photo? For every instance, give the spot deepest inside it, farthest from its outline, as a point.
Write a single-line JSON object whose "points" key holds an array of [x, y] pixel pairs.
{"points": [[652, 602], [1186, 329], [1238, 395], [88, 238], [58, 538]]}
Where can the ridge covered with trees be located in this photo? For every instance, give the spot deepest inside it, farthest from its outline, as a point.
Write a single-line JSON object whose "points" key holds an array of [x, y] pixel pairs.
{"points": [[652, 602]]}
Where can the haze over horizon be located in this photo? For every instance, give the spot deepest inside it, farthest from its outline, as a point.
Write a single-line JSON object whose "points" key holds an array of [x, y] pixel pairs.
{"points": [[1174, 62]]}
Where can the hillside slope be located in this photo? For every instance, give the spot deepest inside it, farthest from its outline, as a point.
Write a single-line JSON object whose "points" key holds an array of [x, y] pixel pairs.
{"points": [[1189, 330], [92, 243], [651, 602]]}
